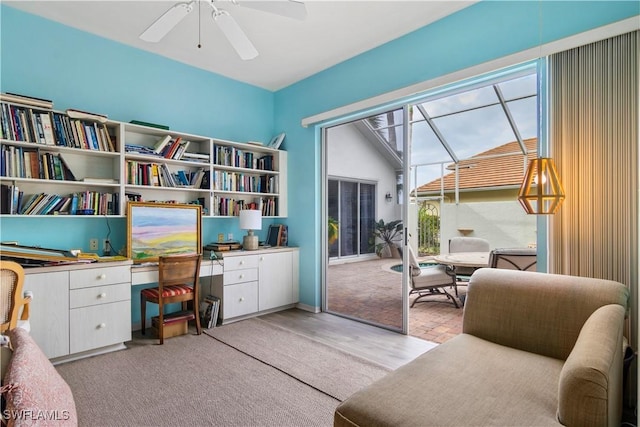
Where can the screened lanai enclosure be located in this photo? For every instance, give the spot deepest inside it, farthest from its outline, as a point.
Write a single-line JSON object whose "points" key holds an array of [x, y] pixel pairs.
{"points": [[467, 147]]}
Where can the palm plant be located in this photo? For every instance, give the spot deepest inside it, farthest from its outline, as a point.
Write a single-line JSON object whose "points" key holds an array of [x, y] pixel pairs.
{"points": [[388, 234], [332, 230]]}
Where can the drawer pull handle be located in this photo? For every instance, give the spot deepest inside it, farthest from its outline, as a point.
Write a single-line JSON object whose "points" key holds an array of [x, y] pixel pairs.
{"points": [[241, 299], [102, 276], [102, 325], [261, 258], [102, 295], [241, 262], [242, 276]]}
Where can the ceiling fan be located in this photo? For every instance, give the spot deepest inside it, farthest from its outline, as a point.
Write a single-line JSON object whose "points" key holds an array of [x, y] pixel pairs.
{"points": [[227, 24]]}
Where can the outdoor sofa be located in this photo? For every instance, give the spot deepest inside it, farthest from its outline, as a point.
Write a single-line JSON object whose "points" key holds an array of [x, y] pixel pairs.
{"points": [[536, 350]]}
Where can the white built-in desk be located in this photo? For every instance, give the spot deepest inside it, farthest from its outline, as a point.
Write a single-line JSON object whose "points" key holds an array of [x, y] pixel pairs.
{"points": [[80, 310], [145, 274]]}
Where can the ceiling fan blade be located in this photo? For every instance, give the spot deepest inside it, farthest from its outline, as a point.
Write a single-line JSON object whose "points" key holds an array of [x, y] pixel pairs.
{"points": [[287, 8], [166, 22], [235, 35]]}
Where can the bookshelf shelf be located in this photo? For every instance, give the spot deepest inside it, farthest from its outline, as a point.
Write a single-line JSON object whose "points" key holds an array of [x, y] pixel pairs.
{"points": [[118, 161]]}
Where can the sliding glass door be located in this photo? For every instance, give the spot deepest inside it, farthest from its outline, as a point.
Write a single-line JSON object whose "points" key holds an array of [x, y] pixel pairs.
{"points": [[363, 200], [351, 204]]}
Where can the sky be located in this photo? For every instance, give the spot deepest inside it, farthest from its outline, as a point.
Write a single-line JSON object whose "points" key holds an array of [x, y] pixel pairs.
{"points": [[471, 122]]}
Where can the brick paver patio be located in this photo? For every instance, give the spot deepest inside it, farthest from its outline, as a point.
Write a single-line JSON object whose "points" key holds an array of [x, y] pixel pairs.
{"points": [[370, 290]]}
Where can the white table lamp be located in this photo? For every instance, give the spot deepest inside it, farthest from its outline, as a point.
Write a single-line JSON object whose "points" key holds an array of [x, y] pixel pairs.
{"points": [[250, 220]]}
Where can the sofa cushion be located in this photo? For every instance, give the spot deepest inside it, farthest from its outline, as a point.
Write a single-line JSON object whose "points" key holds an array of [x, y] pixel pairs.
{"points": [[465, 381], [37, 394]]}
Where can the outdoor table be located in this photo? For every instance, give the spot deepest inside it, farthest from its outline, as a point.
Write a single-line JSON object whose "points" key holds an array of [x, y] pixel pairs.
{"points": [[464, 259]]}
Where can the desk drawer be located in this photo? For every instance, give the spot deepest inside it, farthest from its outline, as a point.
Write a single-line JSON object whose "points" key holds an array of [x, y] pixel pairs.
{"points": [[99, 276], [99, 325], [99, 295], [240, 262], [240, 276], [240, 299]]}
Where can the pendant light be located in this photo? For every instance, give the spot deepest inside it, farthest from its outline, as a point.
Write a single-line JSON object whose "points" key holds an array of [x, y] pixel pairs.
{"points": [[541, 192]]}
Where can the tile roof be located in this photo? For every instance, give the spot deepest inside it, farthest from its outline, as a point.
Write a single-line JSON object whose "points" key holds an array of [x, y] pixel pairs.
{"points": [[476, 172]]}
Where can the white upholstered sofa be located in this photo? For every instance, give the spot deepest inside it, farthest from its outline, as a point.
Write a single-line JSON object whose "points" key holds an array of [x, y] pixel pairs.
{"points": [[536, 350]]}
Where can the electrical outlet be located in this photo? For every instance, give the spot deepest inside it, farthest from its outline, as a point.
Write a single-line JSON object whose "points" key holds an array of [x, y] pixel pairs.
{"points": [[230, 236], [93, 244]]}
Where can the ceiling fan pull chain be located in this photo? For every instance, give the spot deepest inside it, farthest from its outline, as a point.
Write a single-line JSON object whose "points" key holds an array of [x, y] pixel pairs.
{"points": [[199, 22]]}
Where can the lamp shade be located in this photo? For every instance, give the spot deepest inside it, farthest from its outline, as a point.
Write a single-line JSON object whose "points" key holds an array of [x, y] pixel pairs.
{"points": [[541, 191], [250, 219]]}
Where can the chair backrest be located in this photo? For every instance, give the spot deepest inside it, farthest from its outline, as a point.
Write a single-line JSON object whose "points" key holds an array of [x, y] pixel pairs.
{"points": [[11, 282], [524, 259], [179, 270], [468, 244]]}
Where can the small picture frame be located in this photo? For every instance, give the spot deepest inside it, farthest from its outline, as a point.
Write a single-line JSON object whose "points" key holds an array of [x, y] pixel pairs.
{"points": [[276, 141], [273, 235]]}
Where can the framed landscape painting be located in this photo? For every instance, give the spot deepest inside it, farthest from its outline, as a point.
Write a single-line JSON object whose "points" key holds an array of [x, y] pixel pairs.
{"points": [[157, 229]]}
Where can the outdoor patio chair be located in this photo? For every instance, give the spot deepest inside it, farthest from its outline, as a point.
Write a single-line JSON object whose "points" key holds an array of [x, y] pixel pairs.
{"points": [[430, 281], [523, 259], [467, 244]]}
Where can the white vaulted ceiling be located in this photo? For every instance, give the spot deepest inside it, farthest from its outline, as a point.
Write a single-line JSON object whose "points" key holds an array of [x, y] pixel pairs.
{"points": [[289, 50]]}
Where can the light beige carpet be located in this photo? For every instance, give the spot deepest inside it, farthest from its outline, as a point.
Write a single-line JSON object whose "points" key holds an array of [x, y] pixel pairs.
{"points": [[198, 380]]}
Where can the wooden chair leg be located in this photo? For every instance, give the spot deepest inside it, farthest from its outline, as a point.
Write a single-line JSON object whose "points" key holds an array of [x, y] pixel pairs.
{"points": [[161, 323], [196, 312], [143, 312]]}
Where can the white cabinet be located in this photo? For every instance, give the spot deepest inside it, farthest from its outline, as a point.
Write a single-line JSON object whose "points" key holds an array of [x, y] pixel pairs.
{"points": [[256, 282], [275, 287], [100, 307], [49, 311], [79, 308]]}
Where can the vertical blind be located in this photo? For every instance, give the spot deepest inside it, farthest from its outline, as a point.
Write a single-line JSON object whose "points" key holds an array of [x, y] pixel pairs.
{"points": [[594, 140]]}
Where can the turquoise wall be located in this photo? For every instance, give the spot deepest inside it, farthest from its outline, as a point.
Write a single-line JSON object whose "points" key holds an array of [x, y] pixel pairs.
{"points": [[79, 70], [485, 31]]}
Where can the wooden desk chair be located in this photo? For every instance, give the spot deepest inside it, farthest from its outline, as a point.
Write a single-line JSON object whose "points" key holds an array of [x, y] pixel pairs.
{"points": [[177, 282], [14, 307]]}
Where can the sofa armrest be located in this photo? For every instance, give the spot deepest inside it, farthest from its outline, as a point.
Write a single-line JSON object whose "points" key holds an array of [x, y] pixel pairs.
{"points": [[535, 312], [590, 386]]}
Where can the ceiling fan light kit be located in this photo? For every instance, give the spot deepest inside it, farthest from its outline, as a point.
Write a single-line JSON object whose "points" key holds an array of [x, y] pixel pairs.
{"points": [[227, 24]]}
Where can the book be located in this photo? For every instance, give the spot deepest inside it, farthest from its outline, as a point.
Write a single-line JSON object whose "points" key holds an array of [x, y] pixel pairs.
{"points": [[85, 115], [94, 180], [153, 125], [159, 146], [209, 311], [26, 100], [47, 128]]}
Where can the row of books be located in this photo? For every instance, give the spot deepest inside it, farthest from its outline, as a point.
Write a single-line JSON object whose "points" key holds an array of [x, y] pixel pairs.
{"points": [[159, 175], [13, 201], [21, 123], [209, 311], [225, 206], [21, 162], [232, 156], [234, 181], [169, 148]]}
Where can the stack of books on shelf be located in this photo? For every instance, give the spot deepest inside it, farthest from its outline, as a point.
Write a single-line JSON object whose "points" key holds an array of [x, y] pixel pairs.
{"points": [[159, 175], [14, 202], [232, 156], [209, 310], [28, 122], [23, 162], [168, 148], [226, 206]]}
